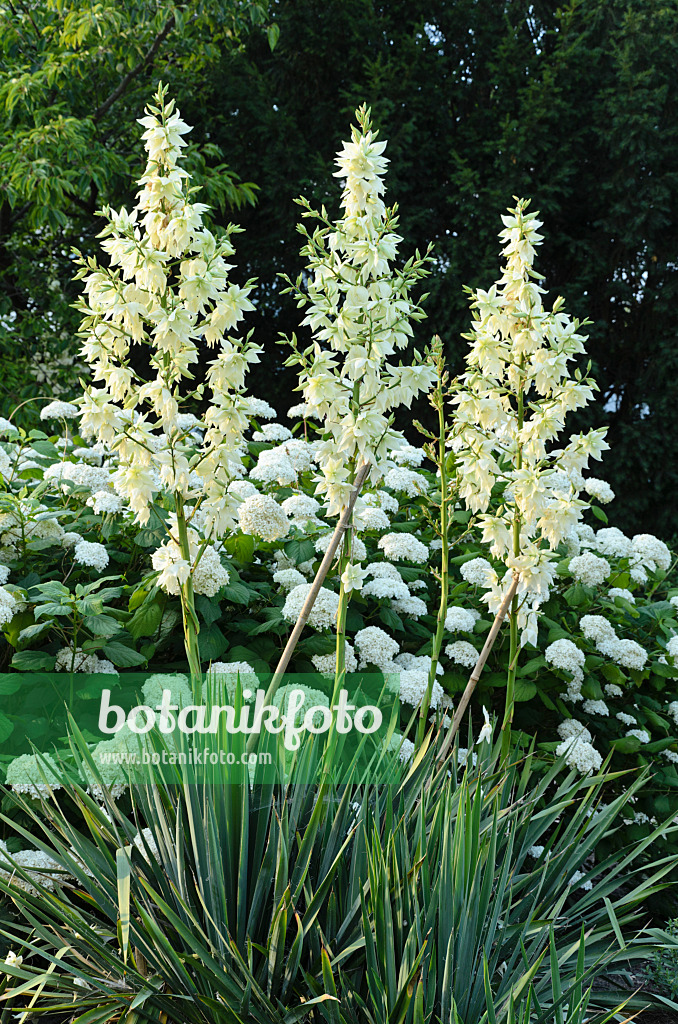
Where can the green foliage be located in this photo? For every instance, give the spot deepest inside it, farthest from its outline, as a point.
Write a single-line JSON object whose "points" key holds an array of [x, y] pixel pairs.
{"points": [[375, 903]]}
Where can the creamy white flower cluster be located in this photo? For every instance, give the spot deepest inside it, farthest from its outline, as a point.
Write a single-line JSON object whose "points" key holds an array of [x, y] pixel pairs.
{"points": [[512, 406], [602, 633], [577, 747], [359, 309], [166, 287]]}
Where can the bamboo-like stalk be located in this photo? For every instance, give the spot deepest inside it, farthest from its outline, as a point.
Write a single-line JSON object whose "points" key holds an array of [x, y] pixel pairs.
{"points": [[323, 569], [480, 664]]}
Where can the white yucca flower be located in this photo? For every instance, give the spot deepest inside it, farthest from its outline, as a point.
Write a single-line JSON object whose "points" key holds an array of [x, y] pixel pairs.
{"points": [[166, 287], [511, 407], [359, 309]]}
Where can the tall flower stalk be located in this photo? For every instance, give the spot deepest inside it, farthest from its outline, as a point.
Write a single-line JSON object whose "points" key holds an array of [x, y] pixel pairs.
{"points": [[166, 290], [511, 407], [438, 453], [360, 311]]}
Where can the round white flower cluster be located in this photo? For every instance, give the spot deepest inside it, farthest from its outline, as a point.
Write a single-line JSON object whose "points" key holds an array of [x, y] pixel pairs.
{"points": [[312, 699], [59, 411], [412, 687], [577, 748], [565, 655], [370, 518], [598, 489], [272, 432], [404, 747], [81, 474], [596, 707], [39, 866], [672, 648], [260, 409], [408, 455], [411, 607], [242, 489], [261, 516], [302, 411], [177, 683], [383, 500], [145, 843], [460, 620], [609, 541], [602, 633], [7, 428], [300, 508], [625, 719], [5, 573], [288, 578], [67, 661], [327, 663], [478, 572], [324, 612], [650, 552], [274, 467], [406, 480], [376, 647], [209, 575], [462, 653], [111, 758], [7, 606], [105, 502], [640, 734], [89, 553], [33, 775], [621, 592], [589, 569], [403, 547], [385, 586]]}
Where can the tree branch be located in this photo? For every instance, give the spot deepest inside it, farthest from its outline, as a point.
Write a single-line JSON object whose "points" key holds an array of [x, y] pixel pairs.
{"points": [[147, 59]]}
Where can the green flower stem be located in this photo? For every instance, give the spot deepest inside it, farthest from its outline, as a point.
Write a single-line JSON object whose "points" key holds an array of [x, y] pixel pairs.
{"points": [[191, 624], [513, 615], [444, 573]]}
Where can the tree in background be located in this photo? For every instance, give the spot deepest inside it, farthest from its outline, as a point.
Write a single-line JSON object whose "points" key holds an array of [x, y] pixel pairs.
{"points": [[74, 76], [482, 100]]}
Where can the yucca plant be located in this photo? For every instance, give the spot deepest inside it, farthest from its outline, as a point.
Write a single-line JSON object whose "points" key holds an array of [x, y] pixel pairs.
{"points": [[417, 901]]}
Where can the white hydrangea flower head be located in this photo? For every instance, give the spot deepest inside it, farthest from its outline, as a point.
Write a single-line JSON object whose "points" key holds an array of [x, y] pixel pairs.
{"points": [[409, 607], [376, 647], [7, 429], [177, 683], [589, 569], [370, 518], [35, 776], [324, 612], [261, 516], [59, 411], [259, 409], [611, 541], [383, 587], [408, 455], [621, 592], [358, 549], [403, 547], [272, 433], [596, 707], [288, 578], [412, 686], [461, 652], [242, 489], [460, 620], [625, 719], [274, 466], [145, 843], [406, 481], [91, 554], [478, 572], [599, 489], [640, 734], [327, 663], [79, 661], [8, 606], [651, 553]]}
